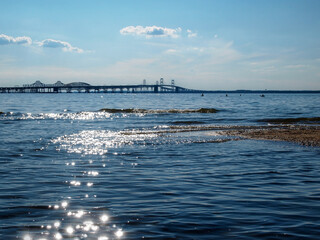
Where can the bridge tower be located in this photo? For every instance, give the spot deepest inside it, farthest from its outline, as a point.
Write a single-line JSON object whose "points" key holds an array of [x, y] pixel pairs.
{"points": [[172, 82], [161, 81], [144, 82]]}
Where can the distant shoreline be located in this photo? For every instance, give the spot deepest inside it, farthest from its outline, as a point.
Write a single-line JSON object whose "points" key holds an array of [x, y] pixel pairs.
{"points": [[263, 91]]}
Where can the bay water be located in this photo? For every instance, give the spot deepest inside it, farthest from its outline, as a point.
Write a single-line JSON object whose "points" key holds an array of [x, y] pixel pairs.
{"points": [[147, 167]]}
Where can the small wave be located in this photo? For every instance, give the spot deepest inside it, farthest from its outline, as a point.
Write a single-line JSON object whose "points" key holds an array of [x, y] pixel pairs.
{"points": [[187, 122], [157, 111], [6, 113], [101, 114], [177, 129], [220, 140], [57, 116], [12, 197], [311, 120], [41, 207], [97, 142], [295, 113]]}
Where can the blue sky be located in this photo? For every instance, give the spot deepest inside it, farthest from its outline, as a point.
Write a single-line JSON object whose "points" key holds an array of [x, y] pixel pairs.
{"points": [[203, 44]]}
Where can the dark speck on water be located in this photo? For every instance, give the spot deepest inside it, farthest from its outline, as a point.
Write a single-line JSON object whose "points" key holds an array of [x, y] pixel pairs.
{"points": [[136, 169]]}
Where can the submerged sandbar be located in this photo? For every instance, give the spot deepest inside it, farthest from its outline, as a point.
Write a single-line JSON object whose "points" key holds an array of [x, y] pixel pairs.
{"points": [[301, 134]]}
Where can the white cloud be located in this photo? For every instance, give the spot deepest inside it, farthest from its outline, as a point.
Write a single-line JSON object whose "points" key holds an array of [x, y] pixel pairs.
{"points": [[151, 31], [296, 66], [191, 34], [171, 51], [51, 43], [5, 40]]}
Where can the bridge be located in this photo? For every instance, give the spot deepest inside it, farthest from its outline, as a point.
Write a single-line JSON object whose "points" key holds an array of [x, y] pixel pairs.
{"points": [[82, 87]]}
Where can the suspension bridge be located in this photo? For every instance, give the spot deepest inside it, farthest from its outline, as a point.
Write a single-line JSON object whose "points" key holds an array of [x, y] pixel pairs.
{"points": [[82, 87]]}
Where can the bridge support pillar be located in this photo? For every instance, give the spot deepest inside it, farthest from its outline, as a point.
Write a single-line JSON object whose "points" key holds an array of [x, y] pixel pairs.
{"points": [[156, 89]]}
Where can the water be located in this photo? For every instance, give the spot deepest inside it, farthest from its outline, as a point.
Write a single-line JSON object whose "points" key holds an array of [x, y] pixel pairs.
{"points": [[70, 171]]}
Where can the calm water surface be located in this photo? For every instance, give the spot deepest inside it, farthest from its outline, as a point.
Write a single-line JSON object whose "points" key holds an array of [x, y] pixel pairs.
{"points": [[70, 171]]}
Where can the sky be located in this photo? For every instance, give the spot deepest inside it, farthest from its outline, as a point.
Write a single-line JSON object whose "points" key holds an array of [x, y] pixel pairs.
{"points": [[201, 44]]}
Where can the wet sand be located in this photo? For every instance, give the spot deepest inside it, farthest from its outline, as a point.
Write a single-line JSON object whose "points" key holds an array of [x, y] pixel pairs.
{"points": [[301, 134]]}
